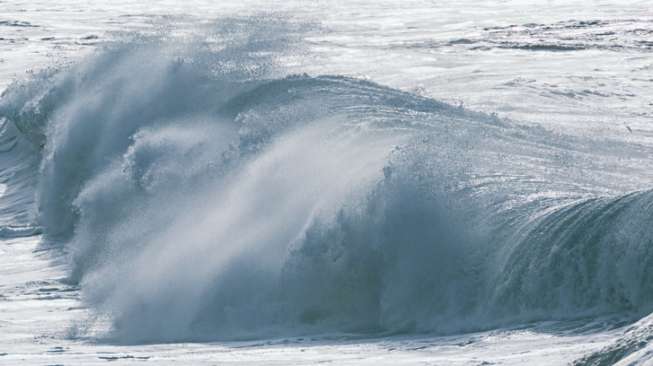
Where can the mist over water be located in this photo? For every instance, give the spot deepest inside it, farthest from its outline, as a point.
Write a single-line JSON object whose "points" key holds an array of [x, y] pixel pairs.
{"points": [[202, 194]]}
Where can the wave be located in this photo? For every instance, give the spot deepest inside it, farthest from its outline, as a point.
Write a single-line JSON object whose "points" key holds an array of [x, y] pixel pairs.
{"points": [[634, 348], [17, 23], [8, 232], [202, 197], [19, 160], [563, 36]]}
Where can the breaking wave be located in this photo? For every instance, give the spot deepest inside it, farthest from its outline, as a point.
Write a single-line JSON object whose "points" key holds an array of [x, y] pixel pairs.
{"points": [[201, 196]]}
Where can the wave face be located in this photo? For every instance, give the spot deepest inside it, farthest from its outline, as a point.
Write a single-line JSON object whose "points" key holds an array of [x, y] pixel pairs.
{"points": [[200, 197]]}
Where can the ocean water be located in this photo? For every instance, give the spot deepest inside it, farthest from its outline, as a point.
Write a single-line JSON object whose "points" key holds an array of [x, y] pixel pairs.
{"points": [[415, 182]]}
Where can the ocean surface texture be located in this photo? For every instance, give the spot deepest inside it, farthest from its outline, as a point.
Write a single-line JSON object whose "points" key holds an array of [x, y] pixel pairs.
{"points": [[345, 182]]}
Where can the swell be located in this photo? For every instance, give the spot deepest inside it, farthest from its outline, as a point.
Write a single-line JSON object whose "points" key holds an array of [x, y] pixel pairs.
{"points": [[564, 36], [201, 200]]}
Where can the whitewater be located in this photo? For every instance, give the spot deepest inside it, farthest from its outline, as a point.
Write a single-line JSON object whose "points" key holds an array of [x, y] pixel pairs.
{"points": [[351, 183]]}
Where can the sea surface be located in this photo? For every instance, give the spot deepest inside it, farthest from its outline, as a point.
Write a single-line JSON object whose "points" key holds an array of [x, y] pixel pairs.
{"points": [[354, 183]]}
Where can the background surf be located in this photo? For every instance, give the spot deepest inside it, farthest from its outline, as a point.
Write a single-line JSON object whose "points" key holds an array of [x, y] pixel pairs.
{"points": [[201, 194]]}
